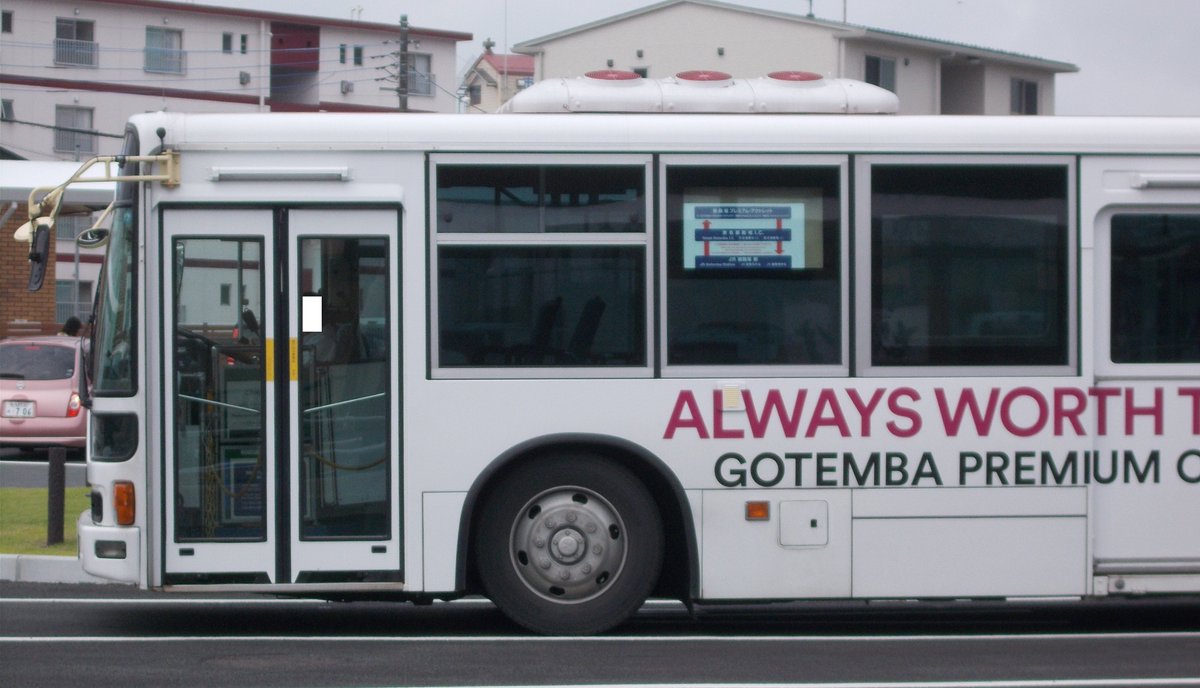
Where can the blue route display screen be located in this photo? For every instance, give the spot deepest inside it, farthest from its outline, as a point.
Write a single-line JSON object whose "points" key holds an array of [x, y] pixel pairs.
{"points": [[743, 236]]}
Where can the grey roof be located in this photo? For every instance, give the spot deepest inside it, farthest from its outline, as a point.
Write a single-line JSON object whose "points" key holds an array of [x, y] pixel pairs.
{"points": [[848, 31], [963, 49], [19, 177]]}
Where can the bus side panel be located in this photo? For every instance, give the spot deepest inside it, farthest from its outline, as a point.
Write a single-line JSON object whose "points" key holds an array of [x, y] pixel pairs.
{"points": [[970, 542]]}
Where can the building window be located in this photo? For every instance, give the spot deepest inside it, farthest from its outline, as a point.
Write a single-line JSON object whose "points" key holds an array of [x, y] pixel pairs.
{"points": [[342, 53], [475, 94], [71, 300], [75, 42], [880, 71], [1154, 318], [643, 72], [6, 110], [245, 43], [226, 291], [420, 77], [1024, 97], [164, 51], [6, 22], [358, 55], [67, 227], [970, 265], [227, 43], [74, 132]]}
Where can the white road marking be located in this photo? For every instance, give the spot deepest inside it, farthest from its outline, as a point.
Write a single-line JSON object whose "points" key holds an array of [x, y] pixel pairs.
{"points": [[1041, 637], [1048, 683]]}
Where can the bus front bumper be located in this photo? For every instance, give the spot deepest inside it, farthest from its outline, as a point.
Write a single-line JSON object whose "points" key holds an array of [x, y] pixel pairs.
{"points": [[109, 552]]}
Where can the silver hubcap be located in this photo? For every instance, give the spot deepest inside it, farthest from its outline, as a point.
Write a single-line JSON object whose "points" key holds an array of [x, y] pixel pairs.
{"points": [[568, 544]]}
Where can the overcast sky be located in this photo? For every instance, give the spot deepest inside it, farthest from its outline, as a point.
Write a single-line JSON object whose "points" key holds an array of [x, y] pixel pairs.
{"points": [[1136, 57]]}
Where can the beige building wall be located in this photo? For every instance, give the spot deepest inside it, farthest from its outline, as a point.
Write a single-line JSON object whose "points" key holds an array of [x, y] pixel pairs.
{"points": [[917, 73], [931, 76], [685, 37], [997, 86]]}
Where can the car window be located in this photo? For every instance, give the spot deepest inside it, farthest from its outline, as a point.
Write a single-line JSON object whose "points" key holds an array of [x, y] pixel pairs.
{"points": [[36, 362]]}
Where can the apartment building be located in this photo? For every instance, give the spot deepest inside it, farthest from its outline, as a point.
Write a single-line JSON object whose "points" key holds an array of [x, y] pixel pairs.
{"points": [[73, 72]]}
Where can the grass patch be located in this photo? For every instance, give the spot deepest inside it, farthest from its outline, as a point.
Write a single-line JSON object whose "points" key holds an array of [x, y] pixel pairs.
{"points": [[23, 520]]}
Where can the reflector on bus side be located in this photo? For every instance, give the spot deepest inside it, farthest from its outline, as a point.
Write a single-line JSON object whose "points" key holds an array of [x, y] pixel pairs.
{"points": [[758, 511]]}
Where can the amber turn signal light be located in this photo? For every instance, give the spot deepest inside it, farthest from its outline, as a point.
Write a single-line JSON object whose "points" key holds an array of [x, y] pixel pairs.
{"points": [[124, 503]]}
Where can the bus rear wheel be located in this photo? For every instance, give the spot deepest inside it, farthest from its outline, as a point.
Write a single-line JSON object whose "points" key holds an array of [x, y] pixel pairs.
{"points": [[569, 545]]}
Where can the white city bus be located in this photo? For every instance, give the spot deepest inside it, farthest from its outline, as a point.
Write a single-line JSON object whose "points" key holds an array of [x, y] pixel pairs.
{"points": [[572, 361]]}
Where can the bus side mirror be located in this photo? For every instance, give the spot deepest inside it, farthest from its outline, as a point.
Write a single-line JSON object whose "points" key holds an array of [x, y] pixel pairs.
{"points": [[96, 237], [39, 253]]}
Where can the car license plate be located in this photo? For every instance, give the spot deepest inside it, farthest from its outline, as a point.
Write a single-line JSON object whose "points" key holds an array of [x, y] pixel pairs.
{"points": [[18, 409]]}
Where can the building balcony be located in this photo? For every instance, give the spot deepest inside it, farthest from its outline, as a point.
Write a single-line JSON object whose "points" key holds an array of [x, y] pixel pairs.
{"points": [[166, 60], [420, 84], [73, 53]]}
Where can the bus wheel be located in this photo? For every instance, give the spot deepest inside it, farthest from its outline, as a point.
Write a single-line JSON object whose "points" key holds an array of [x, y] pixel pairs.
{"points": [[569, 545]]}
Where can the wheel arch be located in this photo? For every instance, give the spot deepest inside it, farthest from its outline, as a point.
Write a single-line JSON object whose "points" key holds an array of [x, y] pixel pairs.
{"points": [[679, 577]]}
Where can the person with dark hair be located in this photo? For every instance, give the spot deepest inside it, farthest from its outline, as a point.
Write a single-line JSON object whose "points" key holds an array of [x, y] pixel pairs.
{"points": [[71, 327]]}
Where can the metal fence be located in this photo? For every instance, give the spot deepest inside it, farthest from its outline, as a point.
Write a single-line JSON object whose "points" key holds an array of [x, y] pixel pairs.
{"points": [[75, 53], [420, 84], [166, 60], [81, 310], [74, 142]]}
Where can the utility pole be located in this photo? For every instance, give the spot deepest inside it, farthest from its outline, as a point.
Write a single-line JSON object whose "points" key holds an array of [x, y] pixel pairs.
{"points": [[397, 68], [402, 71]]}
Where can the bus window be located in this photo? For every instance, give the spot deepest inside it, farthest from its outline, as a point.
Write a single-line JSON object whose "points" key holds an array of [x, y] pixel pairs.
{"points": [[510, 295], [541, 306], [753, 265], [114, 335], [969, 265], [540, 199], [1155, 319]]}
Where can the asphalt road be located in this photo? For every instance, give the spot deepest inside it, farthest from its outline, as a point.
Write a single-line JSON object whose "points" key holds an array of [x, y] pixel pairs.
{"points": [[53, 635]]}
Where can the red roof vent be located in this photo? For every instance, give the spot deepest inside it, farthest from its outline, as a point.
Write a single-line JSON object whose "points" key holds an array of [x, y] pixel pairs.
{"points": [[795, 76], [703, 75], [612, 75]]}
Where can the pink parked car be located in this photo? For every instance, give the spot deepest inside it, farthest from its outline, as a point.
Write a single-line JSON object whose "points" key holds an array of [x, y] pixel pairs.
{"points": [[40, 378]]}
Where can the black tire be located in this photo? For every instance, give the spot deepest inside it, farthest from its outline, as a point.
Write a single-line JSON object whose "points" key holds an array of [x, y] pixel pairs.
{"points": [[569, 544]]}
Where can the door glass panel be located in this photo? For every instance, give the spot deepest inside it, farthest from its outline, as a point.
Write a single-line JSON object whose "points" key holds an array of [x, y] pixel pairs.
{"points": [[219, 383], [1155, 315], [344, 389]]}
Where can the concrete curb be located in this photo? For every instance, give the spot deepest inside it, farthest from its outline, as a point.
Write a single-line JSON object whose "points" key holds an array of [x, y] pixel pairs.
{"points": [[32, 568]]}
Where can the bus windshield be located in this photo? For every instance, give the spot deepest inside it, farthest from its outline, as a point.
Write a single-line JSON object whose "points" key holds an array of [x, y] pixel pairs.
{"points": [[116, 307]]}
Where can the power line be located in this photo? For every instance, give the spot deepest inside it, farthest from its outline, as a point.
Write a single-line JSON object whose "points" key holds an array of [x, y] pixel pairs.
{"points": [[73, 130]]}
